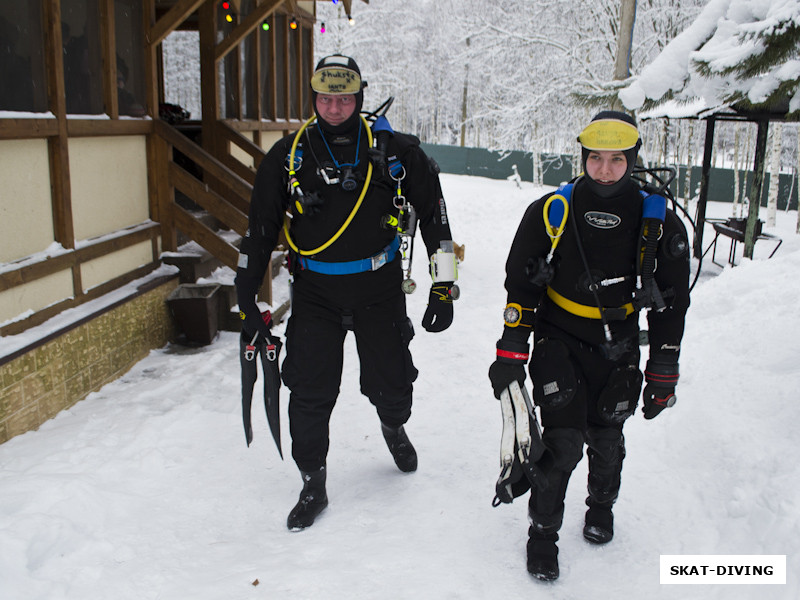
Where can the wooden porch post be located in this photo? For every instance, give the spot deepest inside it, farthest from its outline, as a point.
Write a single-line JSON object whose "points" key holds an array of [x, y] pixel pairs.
{"points": [[702, 199], [57, 145], [209, 77], [755, 189], [108, 46]]}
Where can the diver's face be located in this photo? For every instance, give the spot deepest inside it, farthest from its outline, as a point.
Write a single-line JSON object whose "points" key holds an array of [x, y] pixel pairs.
{"points": [[606, 167], [335, 109]]}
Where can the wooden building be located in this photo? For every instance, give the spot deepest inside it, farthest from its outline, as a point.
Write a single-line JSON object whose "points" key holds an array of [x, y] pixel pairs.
{"points": [[98, 178]]}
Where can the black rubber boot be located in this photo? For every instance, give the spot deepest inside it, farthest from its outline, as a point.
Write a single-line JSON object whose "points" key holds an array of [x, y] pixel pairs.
{"points": [[543, 555], [599, 527], [313, 500], [405, 457], [606, 453], [546, 507]]}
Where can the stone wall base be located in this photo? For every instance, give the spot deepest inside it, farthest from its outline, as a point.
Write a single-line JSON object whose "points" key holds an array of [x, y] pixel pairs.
{"points": [[53, 375]]}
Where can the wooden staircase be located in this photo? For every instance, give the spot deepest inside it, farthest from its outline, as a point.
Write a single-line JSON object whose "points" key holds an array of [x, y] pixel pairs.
{"points": [[216, 214]]}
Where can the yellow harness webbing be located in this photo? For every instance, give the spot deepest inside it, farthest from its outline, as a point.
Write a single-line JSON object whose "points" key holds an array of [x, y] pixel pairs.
{"points": [[581, 310]]}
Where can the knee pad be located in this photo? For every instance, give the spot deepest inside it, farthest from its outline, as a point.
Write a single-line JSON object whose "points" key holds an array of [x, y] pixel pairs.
{"points": [[564, 451], [607, 442], [553, 373], [619, 397], [565, 447], [606, 453]]}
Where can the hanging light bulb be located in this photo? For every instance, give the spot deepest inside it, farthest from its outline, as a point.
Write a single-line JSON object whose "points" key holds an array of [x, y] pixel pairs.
{"points": [[322, 28], [265, 25], [226, 6], [293, 23], [351, 20]]}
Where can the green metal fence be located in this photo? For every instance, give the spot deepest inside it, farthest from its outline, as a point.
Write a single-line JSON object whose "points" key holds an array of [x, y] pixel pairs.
{"points": [[557, 168]]}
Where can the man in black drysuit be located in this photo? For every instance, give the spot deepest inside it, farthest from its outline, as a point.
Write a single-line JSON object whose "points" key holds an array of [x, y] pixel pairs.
{"points": [[582, 307], [346, 266]]}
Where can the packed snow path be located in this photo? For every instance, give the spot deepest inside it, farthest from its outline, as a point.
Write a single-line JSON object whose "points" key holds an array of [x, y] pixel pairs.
{"points": [[147, 490]]}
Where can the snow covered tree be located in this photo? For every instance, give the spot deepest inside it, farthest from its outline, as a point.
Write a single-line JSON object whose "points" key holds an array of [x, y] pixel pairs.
{"points": [[741, 53], [736, 173], [738, 54], [525, 59], [797, 228], [774, 175]]}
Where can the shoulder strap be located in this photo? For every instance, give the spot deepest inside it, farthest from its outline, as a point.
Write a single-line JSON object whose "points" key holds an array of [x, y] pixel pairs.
{"points": [[653, 206], [654, 211], [382, 124], [298, 158], [391, 147], [557, 211]]}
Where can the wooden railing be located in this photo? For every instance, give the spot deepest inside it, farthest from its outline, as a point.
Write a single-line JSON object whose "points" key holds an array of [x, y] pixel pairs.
{"points": [[228, 134], [223, 192], [31, 269]]}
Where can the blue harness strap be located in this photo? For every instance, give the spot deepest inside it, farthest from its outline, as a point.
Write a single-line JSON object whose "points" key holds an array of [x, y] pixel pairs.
{"points": [[395, 168], [555, 214], [654, 206], [373, 263], [298, 159], [382, 124]]}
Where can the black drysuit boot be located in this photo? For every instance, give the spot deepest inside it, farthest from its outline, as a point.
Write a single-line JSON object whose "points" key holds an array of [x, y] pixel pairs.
{"points": [[606, 451], [313, 500], [599, 526], [546, 507], [543, 555], [405, 457]]}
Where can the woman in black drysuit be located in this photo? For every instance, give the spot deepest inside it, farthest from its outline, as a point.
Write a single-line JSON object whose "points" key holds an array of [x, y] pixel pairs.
{"points": [[350, 282], [582, 308]]}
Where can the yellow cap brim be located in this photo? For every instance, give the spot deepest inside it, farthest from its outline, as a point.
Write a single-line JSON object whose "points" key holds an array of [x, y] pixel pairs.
{"points": [[609, 134], [336, 80]]}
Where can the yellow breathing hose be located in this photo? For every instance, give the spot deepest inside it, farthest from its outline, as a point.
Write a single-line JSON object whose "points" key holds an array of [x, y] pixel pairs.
{"points": [[295, 184]]}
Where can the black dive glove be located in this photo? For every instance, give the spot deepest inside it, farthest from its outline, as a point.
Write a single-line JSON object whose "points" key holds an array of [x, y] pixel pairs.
{"points": [[439, 314], [509, 365], [246, 290], [661, 375]]}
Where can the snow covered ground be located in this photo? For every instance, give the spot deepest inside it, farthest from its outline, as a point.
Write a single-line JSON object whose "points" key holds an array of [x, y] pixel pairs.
{"points": [[147, 490]]}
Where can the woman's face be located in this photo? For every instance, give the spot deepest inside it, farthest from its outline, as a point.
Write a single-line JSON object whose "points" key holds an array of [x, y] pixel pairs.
{"points": [[606, 167]]}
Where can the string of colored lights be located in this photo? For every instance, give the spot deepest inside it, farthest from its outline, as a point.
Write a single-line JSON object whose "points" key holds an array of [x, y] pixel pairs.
{"points": [[229, 16]]}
